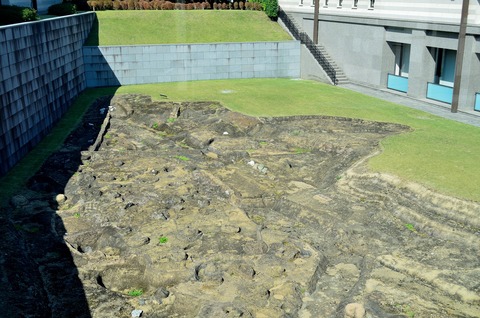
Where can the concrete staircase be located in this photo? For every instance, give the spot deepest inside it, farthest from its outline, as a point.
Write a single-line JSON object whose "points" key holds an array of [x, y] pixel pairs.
{"points": [[341, 78], [333, 71]]}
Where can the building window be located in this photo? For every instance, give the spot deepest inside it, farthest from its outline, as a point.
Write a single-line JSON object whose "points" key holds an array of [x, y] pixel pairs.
{"points": [[355, 4], [402, 59], [372, 4], [444, 66]]}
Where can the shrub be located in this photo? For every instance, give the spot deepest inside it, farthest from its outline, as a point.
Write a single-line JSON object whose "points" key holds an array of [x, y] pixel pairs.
{"points": [[117, 5], [167, 5], [235, 5], [206, 5], [179, 6], [81, 5], [271, 9], [62, 9], [14, 14], [248, 6], [241, 5], [144, 5]]}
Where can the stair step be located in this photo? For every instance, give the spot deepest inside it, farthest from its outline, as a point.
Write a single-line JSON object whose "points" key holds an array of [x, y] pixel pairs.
{"points": [[318, 51]]}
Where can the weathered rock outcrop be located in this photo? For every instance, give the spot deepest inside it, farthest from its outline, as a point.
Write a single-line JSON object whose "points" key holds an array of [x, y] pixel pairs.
{"points": [[192, 210]]}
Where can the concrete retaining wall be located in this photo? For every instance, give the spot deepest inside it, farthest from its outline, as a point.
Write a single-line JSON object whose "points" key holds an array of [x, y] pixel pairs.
{"points": [[41, 73], [125, 65]]}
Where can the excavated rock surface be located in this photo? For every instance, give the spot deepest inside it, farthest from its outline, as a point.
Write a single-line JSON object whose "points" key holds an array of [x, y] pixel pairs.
{"points": [[211, 213]]}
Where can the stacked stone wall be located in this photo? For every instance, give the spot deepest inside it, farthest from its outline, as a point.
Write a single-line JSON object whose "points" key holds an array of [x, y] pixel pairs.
{"points": [[126, 65], [41, 73]]}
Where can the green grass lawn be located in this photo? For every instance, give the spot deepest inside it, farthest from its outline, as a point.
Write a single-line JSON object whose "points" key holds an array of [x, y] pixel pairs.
{"points": [[438, 153], [137, 27]]}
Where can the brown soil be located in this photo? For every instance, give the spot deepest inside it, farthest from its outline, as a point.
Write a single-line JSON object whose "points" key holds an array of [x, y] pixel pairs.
{"points": [[211, 213]]}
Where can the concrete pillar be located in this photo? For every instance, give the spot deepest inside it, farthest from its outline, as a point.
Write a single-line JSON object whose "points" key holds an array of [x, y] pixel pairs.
{"points": [[470, 76], [388, 63], [422, 65]]}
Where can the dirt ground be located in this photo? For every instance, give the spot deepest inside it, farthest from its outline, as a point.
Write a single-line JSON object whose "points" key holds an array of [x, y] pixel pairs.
{"points": [[191, 210]]}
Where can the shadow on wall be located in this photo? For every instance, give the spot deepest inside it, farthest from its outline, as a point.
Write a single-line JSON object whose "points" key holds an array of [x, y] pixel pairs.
{"points": [[38, 275], [98, 72]]}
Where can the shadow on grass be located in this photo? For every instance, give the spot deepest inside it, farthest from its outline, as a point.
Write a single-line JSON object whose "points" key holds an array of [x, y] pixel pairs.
{"points": [[38, 276]]}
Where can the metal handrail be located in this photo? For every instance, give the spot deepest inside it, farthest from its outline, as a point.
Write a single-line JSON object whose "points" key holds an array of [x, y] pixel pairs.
{"points": [[312, 47]]}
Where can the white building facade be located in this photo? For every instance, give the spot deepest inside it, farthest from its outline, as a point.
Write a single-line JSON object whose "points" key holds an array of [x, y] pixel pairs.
{"points": [[403, 45]]}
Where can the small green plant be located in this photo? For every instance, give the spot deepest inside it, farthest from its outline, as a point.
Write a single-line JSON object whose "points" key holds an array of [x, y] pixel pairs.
{"points": [[339, 177], [171, 120], [263, 143], [155, 126], [108, 136], [300, 151], [183, 158], [135, 292], [410, 227], [76, 215], [406, 310], [162, 240]]}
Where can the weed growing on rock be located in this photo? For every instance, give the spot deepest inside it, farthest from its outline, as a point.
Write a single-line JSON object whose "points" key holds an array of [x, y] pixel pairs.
{"points": [[410, 227], [297, 133], [76, 215], [407, 310], [171, 120], [183, 158], [135, 292], [155, 126], [162, 240], [300, 151]]}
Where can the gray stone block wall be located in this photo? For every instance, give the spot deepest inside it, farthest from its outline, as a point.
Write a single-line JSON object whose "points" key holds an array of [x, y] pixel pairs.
{"points": [[41, 73], [126, 65]]}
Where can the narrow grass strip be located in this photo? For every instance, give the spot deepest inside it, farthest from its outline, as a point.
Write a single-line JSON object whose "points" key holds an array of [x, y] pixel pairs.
{"points": [[28, 166]]}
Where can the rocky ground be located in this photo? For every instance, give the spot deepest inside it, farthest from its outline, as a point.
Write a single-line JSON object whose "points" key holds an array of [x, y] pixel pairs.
{"points": [[164, 209]]}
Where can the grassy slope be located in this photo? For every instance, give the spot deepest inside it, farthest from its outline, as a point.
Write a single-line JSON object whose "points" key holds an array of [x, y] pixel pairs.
{"points": [[178, 26]]}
